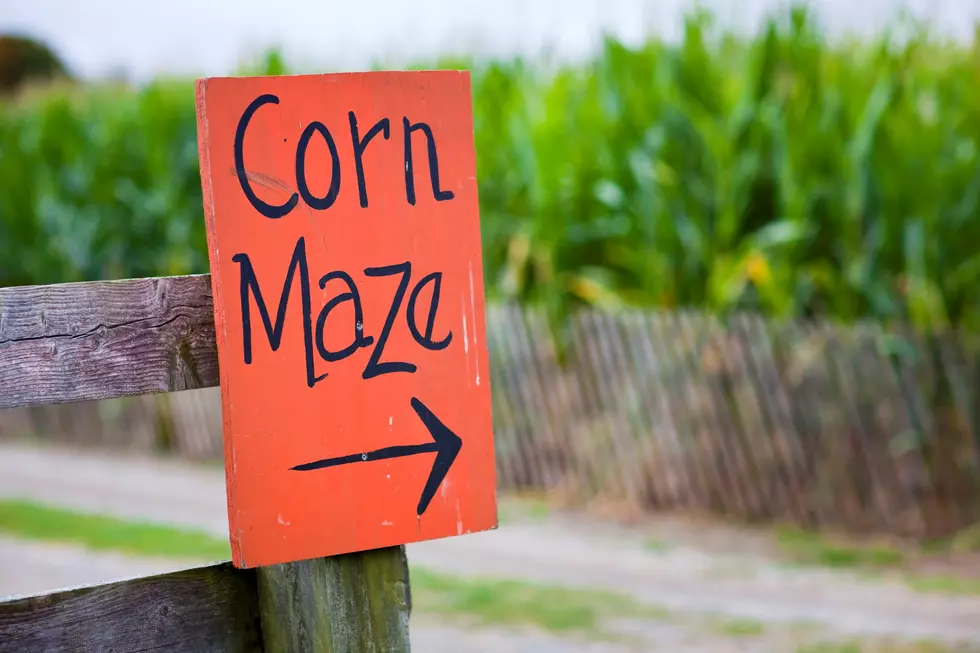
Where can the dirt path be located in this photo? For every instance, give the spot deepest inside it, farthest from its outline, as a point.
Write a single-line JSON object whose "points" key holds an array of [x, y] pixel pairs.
{"points": [[35, 567], [576, 552]]}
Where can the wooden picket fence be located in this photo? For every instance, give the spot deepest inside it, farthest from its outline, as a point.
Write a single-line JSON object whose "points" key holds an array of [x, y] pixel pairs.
{"points": [[821, 425], [105, 340], [854, 427]]}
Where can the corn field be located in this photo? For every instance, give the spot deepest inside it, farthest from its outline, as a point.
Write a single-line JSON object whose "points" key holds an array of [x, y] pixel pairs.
{"points": [[820, 425], [786, 173]]}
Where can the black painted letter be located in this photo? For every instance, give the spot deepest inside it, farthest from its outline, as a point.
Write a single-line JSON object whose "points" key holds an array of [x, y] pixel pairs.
{"points": [[383, 126], [430, 140], [325, 202], [268, 210], [426, 339], [360, 340], [375, 367], [250, 283]]}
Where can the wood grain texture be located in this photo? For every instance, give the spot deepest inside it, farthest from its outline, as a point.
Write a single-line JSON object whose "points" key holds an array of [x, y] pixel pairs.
{"points": [[105, 339], [203, 610], [342, 604]]}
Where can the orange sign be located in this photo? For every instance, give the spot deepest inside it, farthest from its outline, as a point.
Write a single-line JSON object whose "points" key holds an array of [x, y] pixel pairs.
{"points": [[344, 239]]}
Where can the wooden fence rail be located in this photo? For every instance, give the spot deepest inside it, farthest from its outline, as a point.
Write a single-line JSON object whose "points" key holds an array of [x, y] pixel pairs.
{"points": [[853, 427], [107, 340]]}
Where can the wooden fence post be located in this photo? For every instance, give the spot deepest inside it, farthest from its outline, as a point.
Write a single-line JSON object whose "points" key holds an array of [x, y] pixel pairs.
{"points": [[85, 341], [342, 604]]}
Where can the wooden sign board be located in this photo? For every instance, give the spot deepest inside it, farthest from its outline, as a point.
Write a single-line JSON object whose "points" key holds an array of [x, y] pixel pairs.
{"points": [[344, 240]]}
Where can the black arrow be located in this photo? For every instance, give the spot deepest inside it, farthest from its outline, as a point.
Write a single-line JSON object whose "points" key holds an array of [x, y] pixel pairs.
{"points": [[445, 443]]}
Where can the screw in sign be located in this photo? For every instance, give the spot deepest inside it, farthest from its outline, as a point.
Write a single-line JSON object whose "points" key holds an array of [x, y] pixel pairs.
{"points": [[344, 240]]}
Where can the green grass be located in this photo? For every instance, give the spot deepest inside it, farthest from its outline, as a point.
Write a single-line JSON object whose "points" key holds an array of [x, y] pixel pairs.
{"points": [[515, 508], [845, 647], [512, 602], [814, 548], [36, 521], [880, 647], [656, 545], [740, 627], [944, 585]]}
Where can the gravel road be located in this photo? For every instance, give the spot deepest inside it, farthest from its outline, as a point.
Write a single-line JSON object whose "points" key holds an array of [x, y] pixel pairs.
{"points": [[693, 583]]}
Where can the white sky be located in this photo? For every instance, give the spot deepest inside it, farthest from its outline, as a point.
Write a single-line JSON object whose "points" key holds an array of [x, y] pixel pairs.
{"points": [[208, 37]]}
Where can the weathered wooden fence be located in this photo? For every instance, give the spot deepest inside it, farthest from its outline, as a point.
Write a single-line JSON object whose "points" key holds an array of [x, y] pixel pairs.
{"points": [[816, 424], [106, 340], [853, 427]]}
